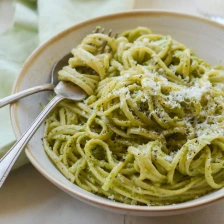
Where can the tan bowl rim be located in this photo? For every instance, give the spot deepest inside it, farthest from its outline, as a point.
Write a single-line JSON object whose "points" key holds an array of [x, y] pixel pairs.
{"points": [[82, 196]]}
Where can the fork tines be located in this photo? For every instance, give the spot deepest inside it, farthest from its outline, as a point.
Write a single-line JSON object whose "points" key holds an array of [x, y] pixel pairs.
{"points": [[104, 43]]}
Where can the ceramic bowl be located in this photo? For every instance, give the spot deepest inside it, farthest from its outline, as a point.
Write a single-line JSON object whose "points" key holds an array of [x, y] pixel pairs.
{"points": [[203, 36]]}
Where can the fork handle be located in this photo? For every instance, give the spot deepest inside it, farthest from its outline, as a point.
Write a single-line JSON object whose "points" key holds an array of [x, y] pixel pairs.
{"points": [[14, 97], [8, 160]]}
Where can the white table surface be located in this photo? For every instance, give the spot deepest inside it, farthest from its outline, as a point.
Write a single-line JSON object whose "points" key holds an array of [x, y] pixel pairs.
{"points": [[28, 198]]}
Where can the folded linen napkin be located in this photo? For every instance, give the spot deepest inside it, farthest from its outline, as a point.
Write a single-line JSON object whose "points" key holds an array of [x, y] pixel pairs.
{"points": [[34, 23]]}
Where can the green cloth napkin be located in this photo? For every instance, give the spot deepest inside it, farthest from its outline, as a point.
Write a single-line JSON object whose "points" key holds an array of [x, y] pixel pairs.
{"points": [[34, 23]]}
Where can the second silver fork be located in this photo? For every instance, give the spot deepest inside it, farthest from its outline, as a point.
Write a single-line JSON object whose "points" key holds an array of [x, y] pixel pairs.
{"points": [[54, 77]]}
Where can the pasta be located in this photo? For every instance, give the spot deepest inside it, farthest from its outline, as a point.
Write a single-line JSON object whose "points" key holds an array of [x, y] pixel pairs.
{"points": [[150, 131]]}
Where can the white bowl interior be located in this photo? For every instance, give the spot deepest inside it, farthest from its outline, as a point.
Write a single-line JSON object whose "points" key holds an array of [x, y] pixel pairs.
{"points": [[205, 38]]}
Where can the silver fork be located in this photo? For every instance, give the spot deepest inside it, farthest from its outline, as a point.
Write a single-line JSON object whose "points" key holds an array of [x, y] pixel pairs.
{"points": [[63, 90], [54, 77]]}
